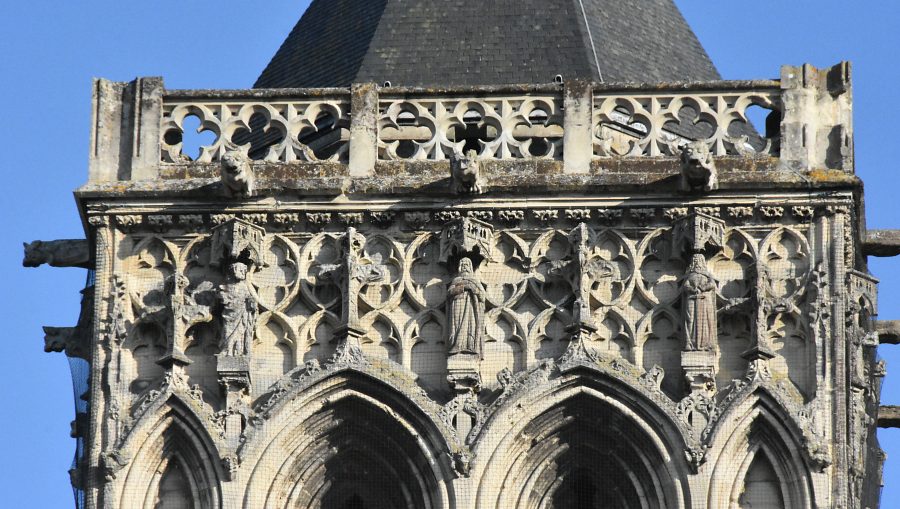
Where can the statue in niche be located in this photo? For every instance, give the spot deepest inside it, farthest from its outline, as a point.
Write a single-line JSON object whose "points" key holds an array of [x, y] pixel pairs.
{"points": [[698, 171], [237, 175], [698, 305], [238, 311], [465, 311]]}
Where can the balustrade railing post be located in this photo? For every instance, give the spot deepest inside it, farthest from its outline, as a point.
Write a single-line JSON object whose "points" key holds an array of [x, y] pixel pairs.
{"points": [[125, 130], [817, 126], [106, 128], [577, 130], [147, 101], [363, 129]]}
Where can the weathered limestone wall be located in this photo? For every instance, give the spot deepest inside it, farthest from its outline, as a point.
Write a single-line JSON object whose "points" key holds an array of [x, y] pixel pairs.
{"points": [[506, 297]]}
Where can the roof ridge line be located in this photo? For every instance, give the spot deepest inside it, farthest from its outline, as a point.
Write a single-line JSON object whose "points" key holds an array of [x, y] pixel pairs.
{"points": [[587, 27]]}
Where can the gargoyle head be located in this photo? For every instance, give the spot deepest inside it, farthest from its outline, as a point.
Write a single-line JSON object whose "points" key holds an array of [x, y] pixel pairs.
{"points": [[34, 255], [465, 173], [237, 174], [698, 171]]}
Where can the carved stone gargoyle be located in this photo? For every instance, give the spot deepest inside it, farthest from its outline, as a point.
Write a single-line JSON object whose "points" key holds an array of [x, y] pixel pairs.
{"points": [[698, 171], [465, 173], [75, 341], [58, 253], [237, 176]]}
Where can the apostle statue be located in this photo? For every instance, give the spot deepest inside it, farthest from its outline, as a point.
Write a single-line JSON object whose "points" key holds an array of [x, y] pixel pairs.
{"points": [[698, 305], [465, 311], [238, 312]]}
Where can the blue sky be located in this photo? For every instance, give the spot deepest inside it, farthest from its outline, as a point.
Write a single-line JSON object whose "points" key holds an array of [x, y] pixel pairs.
{"points": [[50, 50]]}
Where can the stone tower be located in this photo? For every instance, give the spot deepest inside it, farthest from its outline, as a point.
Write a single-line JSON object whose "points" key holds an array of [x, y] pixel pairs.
{"points": [[453, 255]]}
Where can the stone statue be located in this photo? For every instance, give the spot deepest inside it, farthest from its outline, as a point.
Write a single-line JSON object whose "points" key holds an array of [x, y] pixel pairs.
{"points": [[465, 311], [465, 172], [238, 312], [237, 175], [58, 253], [698, 305], [698, 171]]}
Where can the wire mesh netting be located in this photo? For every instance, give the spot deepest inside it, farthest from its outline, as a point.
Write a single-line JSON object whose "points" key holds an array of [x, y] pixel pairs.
{"points": [[422, 413]]}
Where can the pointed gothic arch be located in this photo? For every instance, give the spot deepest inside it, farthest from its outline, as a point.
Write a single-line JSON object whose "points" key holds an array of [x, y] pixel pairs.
{"points": [[348, 437], [760, 456], [586, 441], [173, 461]]}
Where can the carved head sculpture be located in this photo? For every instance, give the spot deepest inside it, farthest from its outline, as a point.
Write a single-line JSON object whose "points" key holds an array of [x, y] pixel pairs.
{"points": [[465, 173], [176, 284], [237, 174], [465, 266], [34, 255], [698, 171], [237, 271], [698, 265]]}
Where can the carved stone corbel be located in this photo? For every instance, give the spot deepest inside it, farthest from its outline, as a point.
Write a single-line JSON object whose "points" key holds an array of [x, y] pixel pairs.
{"points": [[462, 463], [234, 379]]}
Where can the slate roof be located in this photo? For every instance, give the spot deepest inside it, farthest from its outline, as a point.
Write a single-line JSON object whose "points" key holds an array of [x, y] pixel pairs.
{"points": [[486, 42]]}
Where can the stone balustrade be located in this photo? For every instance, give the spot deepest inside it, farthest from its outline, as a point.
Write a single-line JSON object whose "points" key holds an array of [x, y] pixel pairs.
{"points": [[803, 120]]}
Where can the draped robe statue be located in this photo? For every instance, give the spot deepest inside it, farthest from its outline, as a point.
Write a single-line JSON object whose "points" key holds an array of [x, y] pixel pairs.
{"points": [[698, 306], [238, 312], [465, 311]]}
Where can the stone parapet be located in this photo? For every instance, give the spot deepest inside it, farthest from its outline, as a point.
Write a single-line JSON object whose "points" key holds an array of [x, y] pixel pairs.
{"points": [[139, 127]]}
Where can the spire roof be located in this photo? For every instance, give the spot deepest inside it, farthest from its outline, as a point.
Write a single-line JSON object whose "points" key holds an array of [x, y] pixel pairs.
{"points": [[487, 42]]}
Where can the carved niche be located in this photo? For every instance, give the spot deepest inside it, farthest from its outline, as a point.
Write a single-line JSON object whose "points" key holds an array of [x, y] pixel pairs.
{"points": [[696, 233], [467, 237], [465, 243], [237, 240], [235, 246]]}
